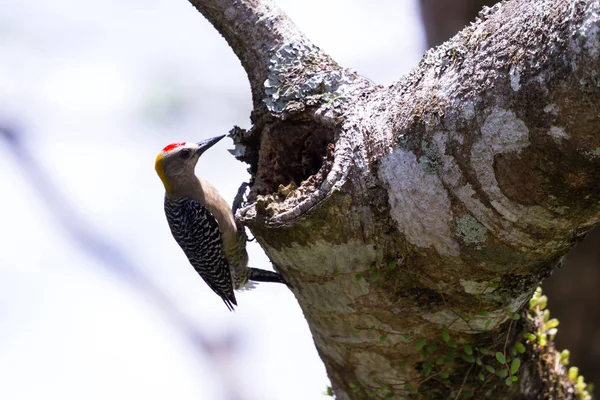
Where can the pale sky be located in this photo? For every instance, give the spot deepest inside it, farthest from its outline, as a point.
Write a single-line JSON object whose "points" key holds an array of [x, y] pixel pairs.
{"points": [[100, 88]]}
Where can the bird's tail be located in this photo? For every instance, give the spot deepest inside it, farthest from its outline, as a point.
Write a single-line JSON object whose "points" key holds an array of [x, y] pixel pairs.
{"points": [[261, 275]]}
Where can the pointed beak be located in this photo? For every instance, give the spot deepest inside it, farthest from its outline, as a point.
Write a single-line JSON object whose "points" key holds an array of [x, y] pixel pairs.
{"points": [[207, 144]]}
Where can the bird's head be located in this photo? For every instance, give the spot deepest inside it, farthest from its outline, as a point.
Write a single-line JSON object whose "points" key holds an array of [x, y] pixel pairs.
{"points": [[176, 162]]}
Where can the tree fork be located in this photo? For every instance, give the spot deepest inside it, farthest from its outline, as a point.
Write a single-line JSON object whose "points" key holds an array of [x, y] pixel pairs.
{"points": [[426, 212]]}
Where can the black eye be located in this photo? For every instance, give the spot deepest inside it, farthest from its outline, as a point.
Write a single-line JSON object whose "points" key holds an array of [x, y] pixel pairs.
{"points": [[185, 153]]}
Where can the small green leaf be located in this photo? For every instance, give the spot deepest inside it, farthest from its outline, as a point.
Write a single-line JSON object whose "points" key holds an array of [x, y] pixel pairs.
{"points": [[513, 351], [419, 344], [532, 302], [329, 391], [483, 313], [406, 336], [452, 344], [515, 365], [382, 337], [407, 386], [488, 323], [500, 357], [444, 375], [516, 316], [573, 373], [427, 368], [542, 339], [484, 351], [502, 373], [445, 336], [542, 302], [490, 369], [375, 276], [372, 267], [432, 347], [360, 276], [481, 377], [553, 323], [514, 378], [478, 361], [488, 394], [372, 393], [546, 316], [336, 272], [468, 358], [468, 349], [508, 381], [520, 347], [529, 336], [392, 264], [441, 360], [564, 357]]}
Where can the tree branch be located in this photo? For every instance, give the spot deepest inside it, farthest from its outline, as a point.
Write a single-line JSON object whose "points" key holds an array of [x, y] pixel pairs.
{"points": [[254, 29]]}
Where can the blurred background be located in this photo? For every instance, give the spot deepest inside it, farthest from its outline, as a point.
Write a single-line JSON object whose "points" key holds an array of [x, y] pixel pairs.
{"points": [[96, 299]]}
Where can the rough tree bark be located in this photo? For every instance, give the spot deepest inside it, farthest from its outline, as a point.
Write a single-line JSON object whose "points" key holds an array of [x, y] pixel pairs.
{"points": [[414, 220], [572, 293]]}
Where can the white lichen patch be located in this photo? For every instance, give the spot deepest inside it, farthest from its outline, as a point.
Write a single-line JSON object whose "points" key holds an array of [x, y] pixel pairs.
{"points": [[478, 288], [515, 78], [419, 203], [551, 109], [451, 172], [592, 154], [558, 134], [590, 29], [501, 133], [471, 231], [468, 109], [298, 71]]}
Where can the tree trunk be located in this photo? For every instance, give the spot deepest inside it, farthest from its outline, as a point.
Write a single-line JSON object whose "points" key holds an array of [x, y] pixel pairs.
{"points": [[414, 222]]}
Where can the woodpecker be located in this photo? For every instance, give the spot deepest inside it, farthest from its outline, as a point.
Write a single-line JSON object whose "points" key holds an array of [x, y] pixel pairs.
{"points": [[203, 224]]}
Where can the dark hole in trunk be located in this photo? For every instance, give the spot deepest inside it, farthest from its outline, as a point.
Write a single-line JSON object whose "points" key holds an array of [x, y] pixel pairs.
{"points": [[291, 152]]}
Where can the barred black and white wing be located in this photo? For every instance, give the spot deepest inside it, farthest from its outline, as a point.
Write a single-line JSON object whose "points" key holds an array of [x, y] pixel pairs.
{"points": [[197, 233]]}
